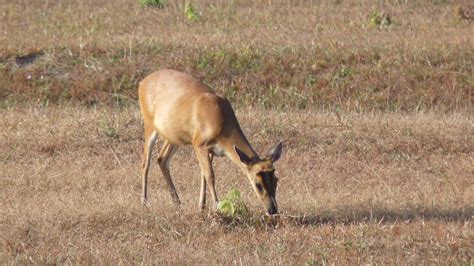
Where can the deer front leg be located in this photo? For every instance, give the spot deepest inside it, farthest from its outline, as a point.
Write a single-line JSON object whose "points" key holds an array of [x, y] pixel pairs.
{"points": [[202, 197], [207, 175]]}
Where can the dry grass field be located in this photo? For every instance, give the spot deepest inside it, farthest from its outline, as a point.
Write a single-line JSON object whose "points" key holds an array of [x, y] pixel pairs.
{"points": [[383, 188], [377, 125]]}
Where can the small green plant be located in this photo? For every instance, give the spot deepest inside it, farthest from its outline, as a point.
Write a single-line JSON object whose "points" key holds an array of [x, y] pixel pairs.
{"points": [[153, 3], [232, 205], [342, 76], [191, 12], [311, 79], [379, 19], [311, 262], [108, 130]]}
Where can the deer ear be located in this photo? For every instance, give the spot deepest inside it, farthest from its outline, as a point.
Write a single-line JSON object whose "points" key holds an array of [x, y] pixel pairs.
{"points": [[242, 156], [275, 153]]}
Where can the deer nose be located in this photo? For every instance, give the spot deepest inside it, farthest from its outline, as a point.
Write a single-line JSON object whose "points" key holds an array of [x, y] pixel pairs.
{"points": [[272, 210]]}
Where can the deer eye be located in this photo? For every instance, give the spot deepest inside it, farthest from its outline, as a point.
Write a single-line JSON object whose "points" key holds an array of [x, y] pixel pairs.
{"points": [[259, 187]]}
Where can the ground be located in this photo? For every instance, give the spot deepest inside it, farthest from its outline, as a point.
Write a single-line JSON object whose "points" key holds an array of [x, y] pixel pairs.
{"points": [[373, 101], [354, 188]]}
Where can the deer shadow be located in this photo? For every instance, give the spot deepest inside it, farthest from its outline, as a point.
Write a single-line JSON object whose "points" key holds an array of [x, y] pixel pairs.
{"points": [[378, 214]]}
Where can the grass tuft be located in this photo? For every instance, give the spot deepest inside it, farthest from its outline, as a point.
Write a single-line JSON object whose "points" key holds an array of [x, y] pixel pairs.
{"points": [[191, 12], [152, 3], [380, 19]]}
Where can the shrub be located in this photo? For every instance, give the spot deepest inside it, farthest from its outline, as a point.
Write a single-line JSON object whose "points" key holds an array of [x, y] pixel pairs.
{"points": [[232, 205]]}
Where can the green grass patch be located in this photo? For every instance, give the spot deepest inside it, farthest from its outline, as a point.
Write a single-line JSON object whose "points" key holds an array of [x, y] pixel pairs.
{"points": [[380, 19], [152, 3], [191, 12]]}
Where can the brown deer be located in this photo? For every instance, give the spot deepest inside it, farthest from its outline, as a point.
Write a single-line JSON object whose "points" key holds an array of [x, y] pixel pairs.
{"points": [[182, 110]]}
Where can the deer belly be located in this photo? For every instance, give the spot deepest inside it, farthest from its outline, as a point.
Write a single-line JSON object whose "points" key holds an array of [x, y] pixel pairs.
{"points": [[173, 132]]}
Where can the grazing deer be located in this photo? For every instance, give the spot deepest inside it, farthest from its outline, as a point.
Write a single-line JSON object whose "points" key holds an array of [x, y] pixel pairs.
{"points": [[182, 110]]}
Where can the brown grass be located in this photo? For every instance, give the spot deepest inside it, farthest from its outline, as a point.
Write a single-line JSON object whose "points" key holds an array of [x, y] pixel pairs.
{"points": [[368, 188], [362, 181], [309, 54]]}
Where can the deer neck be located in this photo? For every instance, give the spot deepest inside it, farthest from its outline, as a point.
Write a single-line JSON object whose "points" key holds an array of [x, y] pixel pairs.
{"points": [[240, 141]]}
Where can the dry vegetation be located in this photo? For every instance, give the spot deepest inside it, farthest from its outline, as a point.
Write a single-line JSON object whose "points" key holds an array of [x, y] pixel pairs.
{"points": [[312, 54], [363, 188], [377, 124]]}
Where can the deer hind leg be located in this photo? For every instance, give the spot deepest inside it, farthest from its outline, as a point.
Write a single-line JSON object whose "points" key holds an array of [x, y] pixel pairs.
{"points": [[150, 139], [207, 175], [163, 160]]}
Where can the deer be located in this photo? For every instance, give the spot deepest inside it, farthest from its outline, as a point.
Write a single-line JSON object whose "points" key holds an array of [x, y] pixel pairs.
{"points": [[182, 110]]}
